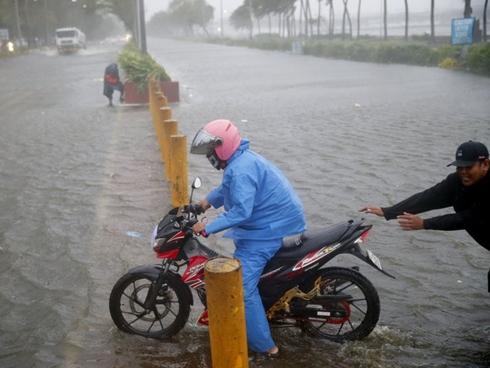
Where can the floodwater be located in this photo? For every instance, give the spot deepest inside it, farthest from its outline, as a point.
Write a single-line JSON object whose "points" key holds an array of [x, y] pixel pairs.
{"points": [[81, 188]]}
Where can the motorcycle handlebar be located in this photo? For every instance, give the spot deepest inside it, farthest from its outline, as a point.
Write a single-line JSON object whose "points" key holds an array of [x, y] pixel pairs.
{"points": [[195, 208]]}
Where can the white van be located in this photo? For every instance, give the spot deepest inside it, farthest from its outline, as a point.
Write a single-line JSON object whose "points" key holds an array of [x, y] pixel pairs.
{"points": [[69, 39]]}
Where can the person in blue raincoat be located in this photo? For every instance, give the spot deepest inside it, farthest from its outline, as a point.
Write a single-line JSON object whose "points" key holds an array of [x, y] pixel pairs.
{"points": [[261, 208]]}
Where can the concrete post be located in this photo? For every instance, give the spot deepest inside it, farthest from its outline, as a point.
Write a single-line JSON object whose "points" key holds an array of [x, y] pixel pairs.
{"points": [[226, 312]]}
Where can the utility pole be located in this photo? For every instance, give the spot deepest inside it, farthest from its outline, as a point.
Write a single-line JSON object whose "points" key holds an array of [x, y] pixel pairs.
{"points": [[141, 26]]}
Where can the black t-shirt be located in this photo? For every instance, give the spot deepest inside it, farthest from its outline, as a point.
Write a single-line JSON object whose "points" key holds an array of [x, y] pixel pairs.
{"points": [[472, 206]]}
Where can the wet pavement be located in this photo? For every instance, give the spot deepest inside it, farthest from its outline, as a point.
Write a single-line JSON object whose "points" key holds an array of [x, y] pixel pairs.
{"points": [[81, 188]]}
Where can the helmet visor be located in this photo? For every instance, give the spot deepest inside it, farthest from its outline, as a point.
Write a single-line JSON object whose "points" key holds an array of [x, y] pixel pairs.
{"points": [[203, 143]]}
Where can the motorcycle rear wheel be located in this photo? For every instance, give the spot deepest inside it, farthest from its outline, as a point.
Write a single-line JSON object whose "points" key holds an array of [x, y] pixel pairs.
{"points": [[167, 317], [359, 300]]}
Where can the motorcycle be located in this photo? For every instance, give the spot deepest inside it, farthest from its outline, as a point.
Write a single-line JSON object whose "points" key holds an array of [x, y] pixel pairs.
{"points": [[297, 291]]}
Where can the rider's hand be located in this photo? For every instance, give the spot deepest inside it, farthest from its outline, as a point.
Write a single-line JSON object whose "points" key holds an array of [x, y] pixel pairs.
{"points": [[409, 221], [372, 209], [198, 227], [204, 204]]}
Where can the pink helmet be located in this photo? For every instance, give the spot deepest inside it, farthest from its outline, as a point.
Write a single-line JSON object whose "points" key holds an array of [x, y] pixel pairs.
{"points": [[220, 135]]}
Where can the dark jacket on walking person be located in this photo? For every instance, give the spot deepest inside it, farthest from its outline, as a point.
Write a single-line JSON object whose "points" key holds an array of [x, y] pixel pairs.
{"points": [[112, 82], [467, 191]]}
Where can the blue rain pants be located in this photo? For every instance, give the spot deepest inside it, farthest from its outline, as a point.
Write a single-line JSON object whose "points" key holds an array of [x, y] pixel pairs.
{"points": [[253, 256]]}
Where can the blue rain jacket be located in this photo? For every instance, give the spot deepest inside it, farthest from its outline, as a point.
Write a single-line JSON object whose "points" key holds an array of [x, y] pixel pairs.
{"points": [[259, 201]]}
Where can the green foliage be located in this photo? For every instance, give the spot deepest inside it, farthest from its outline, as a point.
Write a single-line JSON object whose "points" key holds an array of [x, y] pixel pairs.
{"points": [[270, 42], [124, 9], [374, 51], [182, 17], [448, 51], [449, 63], [478, 59], [190, 13], [241, 19], [138, 67]]}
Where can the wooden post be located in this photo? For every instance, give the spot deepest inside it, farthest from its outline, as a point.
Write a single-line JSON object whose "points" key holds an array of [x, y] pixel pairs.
{"points": [[226, 312], [178, 169], [169, 129]]}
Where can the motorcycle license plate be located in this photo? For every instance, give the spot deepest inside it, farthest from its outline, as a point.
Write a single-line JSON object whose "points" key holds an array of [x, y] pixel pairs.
{"points": [[374, 259]]}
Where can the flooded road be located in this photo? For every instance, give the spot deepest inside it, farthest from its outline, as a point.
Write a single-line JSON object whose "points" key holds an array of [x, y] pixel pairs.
{"points": [[80, 189]]}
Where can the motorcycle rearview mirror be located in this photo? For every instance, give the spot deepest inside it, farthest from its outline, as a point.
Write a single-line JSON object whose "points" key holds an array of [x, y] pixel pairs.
{"points": [[196, 184]]}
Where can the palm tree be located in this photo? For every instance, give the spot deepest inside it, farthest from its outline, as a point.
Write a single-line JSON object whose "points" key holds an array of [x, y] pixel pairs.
{"points": [[319, 17], [467, 8], [485, 21], [432, 33], [406, 19], [346, 16], [359, 19], [331, 19], [385, 19]]}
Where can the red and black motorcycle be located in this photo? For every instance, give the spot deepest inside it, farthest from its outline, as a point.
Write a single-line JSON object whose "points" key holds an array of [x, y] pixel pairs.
{"points": [[335, 303]]}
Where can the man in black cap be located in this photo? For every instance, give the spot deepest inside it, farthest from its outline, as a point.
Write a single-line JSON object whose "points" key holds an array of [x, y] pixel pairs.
{"points": [[467, 191]]}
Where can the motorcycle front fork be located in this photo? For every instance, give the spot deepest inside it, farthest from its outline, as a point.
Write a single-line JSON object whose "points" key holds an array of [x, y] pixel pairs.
{"points": [[156, 285]]}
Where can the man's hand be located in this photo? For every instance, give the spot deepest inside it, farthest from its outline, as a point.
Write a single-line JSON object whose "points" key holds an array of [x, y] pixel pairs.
{"points": [[198, 227], [409, 221], [373, 209], [204, 204]]}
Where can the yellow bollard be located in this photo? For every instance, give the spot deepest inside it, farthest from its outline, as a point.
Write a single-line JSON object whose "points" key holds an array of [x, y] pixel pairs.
{"points": [[151, 99], [161, 98], [178, 169], [169, 129], [165, 113], [226, 312]]}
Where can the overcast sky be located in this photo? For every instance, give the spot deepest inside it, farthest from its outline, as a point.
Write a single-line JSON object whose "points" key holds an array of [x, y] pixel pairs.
{"points": [[367, 7]]}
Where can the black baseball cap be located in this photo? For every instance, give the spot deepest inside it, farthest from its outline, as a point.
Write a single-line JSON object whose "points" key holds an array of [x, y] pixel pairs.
{"points": [[468, 153]]}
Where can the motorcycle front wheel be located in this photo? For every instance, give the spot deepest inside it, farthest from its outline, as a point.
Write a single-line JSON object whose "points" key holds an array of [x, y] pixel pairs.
{"points": [[354, 296], [164, 319]]}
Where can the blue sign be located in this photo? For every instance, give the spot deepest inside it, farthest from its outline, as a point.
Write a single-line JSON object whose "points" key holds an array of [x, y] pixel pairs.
{"points": [[462, 31]]}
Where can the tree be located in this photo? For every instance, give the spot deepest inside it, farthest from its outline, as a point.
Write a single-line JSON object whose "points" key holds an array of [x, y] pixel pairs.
{"points": [[242, 19], [467, 8], [345, 17], [36, 20], [331, 19], [123, 9], [190, 13], [432, 32], [319, 17], [485, 21], [359, 18], [385, 19], [406, 19]]}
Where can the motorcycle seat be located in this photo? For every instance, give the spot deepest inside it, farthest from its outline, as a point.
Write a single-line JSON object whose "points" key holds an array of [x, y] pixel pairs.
{"points": [[301, 244]]}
